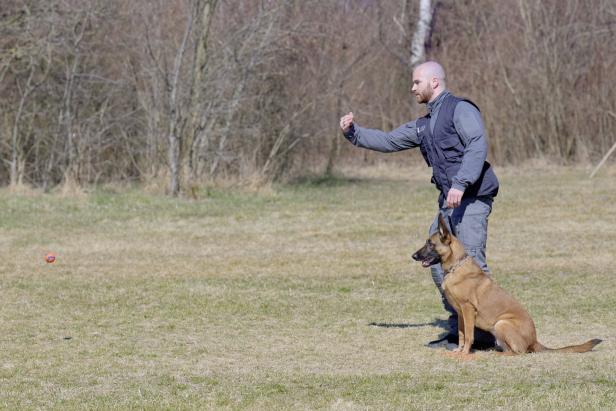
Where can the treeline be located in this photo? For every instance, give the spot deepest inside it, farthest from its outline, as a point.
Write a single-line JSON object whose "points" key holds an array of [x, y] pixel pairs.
{"points": [[187, 91]]}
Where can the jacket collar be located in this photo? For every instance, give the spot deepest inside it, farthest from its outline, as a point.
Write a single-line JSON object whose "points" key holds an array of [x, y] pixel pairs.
{"points": [[435, 104]]}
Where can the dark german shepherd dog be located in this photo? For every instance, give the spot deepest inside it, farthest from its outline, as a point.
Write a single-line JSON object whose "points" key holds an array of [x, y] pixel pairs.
{"points": [[480, 302]]}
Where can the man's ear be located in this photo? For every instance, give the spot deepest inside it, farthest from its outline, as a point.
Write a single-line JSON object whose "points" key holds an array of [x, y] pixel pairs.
{"points": [[435, 82], [443, 230]]}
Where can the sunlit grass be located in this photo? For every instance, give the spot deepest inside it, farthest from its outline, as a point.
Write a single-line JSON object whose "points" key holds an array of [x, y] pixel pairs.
{"points": [[265, 300]]}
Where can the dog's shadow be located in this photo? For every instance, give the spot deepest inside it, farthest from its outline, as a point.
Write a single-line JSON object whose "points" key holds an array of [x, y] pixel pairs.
{"points": [[436, 323]]}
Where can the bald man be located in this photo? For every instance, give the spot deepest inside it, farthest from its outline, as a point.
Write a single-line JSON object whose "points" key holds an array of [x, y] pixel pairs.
{"points": [[452, 140]]}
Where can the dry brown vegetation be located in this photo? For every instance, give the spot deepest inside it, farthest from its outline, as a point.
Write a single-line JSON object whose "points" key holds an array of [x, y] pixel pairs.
{"points": [[96, 91]]}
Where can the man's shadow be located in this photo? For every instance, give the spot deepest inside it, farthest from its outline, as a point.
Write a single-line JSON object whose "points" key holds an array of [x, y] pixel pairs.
{"points": [[483, 341], [436, 323]]}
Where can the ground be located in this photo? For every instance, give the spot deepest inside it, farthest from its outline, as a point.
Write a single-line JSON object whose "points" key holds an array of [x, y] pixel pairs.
{"points": [[301, 297]]}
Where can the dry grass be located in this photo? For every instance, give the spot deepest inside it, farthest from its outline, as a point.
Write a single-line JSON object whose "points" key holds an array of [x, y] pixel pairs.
{"points": [[264, 300]]}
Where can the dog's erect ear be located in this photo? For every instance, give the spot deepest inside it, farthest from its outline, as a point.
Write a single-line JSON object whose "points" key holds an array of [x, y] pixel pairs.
{"points": [[443, 230]]}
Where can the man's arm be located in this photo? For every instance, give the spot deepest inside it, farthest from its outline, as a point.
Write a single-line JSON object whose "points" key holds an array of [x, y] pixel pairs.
{"points": [[469, 126], [402, 138]]}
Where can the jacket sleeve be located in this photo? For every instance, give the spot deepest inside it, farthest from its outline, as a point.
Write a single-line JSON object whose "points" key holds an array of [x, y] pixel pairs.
{"points": [[468, 124], [402, 138]]}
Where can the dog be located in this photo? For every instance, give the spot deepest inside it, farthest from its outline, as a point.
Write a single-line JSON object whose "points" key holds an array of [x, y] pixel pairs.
{"points": [[480, 302]]}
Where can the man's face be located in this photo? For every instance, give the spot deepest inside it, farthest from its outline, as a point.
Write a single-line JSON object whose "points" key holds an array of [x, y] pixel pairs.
{"points": [[422, 87]]}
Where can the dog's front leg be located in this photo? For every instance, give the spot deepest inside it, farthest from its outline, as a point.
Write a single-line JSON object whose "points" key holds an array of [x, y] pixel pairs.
{"points": [[468, 314], [460, 332]]}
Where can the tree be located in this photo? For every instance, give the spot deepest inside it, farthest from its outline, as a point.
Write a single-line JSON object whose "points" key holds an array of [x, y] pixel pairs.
{"points": [[422, 32]]}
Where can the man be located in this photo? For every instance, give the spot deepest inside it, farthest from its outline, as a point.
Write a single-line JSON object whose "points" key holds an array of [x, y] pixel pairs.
{"points": [[452, 141]]}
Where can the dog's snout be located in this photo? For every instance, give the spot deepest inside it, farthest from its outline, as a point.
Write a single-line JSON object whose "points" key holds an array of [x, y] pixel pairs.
{"points": [[420, 254]]}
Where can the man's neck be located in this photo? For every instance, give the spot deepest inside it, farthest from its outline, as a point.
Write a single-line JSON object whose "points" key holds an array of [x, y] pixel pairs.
{"points": [[435, 101], [436, 95]]}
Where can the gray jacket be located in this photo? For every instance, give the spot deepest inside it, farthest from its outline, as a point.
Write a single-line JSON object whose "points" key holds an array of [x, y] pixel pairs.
{"points": [[468, 124]]}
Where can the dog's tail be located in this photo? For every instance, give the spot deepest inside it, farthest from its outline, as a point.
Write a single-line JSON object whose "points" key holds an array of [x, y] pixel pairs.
{"points": [[587, 346]]}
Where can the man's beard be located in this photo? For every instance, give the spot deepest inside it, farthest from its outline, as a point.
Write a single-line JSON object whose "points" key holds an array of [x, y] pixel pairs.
{"points": [[422, 97]]}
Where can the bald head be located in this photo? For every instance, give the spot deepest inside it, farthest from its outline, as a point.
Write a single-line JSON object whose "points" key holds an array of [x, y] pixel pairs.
{"points": [[428, 81], [431, 69]]}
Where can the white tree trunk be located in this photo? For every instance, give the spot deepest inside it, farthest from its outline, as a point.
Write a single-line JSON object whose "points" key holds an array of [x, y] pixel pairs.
{"points": [[422, 31]]}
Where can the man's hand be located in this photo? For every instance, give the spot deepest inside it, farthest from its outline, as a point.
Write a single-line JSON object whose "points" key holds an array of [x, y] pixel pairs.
{"points": [[346, 121], [454, 197]]}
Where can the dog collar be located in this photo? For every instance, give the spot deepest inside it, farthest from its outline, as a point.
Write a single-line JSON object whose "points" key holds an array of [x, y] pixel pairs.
{"points": [[457, 265]]}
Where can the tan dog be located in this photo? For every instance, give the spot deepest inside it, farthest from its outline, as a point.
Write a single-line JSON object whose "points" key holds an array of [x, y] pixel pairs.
{"points": [[480, 302]]}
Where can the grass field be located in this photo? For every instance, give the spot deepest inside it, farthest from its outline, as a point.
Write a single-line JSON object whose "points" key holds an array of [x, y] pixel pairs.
{"points": [[264, 300]]}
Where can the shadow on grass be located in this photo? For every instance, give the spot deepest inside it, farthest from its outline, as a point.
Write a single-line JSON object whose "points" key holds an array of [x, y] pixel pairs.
{"points": [[484, 341], [436, 323], [333, 180], [324, 181]]}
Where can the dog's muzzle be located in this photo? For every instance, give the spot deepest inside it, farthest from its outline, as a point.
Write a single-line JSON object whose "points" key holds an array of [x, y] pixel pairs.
{"points": [[427, 255]]}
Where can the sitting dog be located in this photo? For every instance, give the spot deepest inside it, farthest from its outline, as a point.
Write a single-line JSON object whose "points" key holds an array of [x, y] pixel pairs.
{"points": [[480, 302]]}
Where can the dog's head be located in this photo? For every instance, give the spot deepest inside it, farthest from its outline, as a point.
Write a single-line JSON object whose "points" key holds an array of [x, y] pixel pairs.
{"points": [[437, 248]]}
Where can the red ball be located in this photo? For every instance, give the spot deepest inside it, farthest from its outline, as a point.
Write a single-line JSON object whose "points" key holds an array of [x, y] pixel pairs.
{"points": [[50, 258]]}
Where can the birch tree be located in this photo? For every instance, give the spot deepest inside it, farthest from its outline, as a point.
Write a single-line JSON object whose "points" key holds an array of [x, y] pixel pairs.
{"points": [[422, 32]]}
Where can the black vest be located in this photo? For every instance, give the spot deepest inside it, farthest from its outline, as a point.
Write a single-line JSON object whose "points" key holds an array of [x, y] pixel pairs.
{"points": [[443, 151]]}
